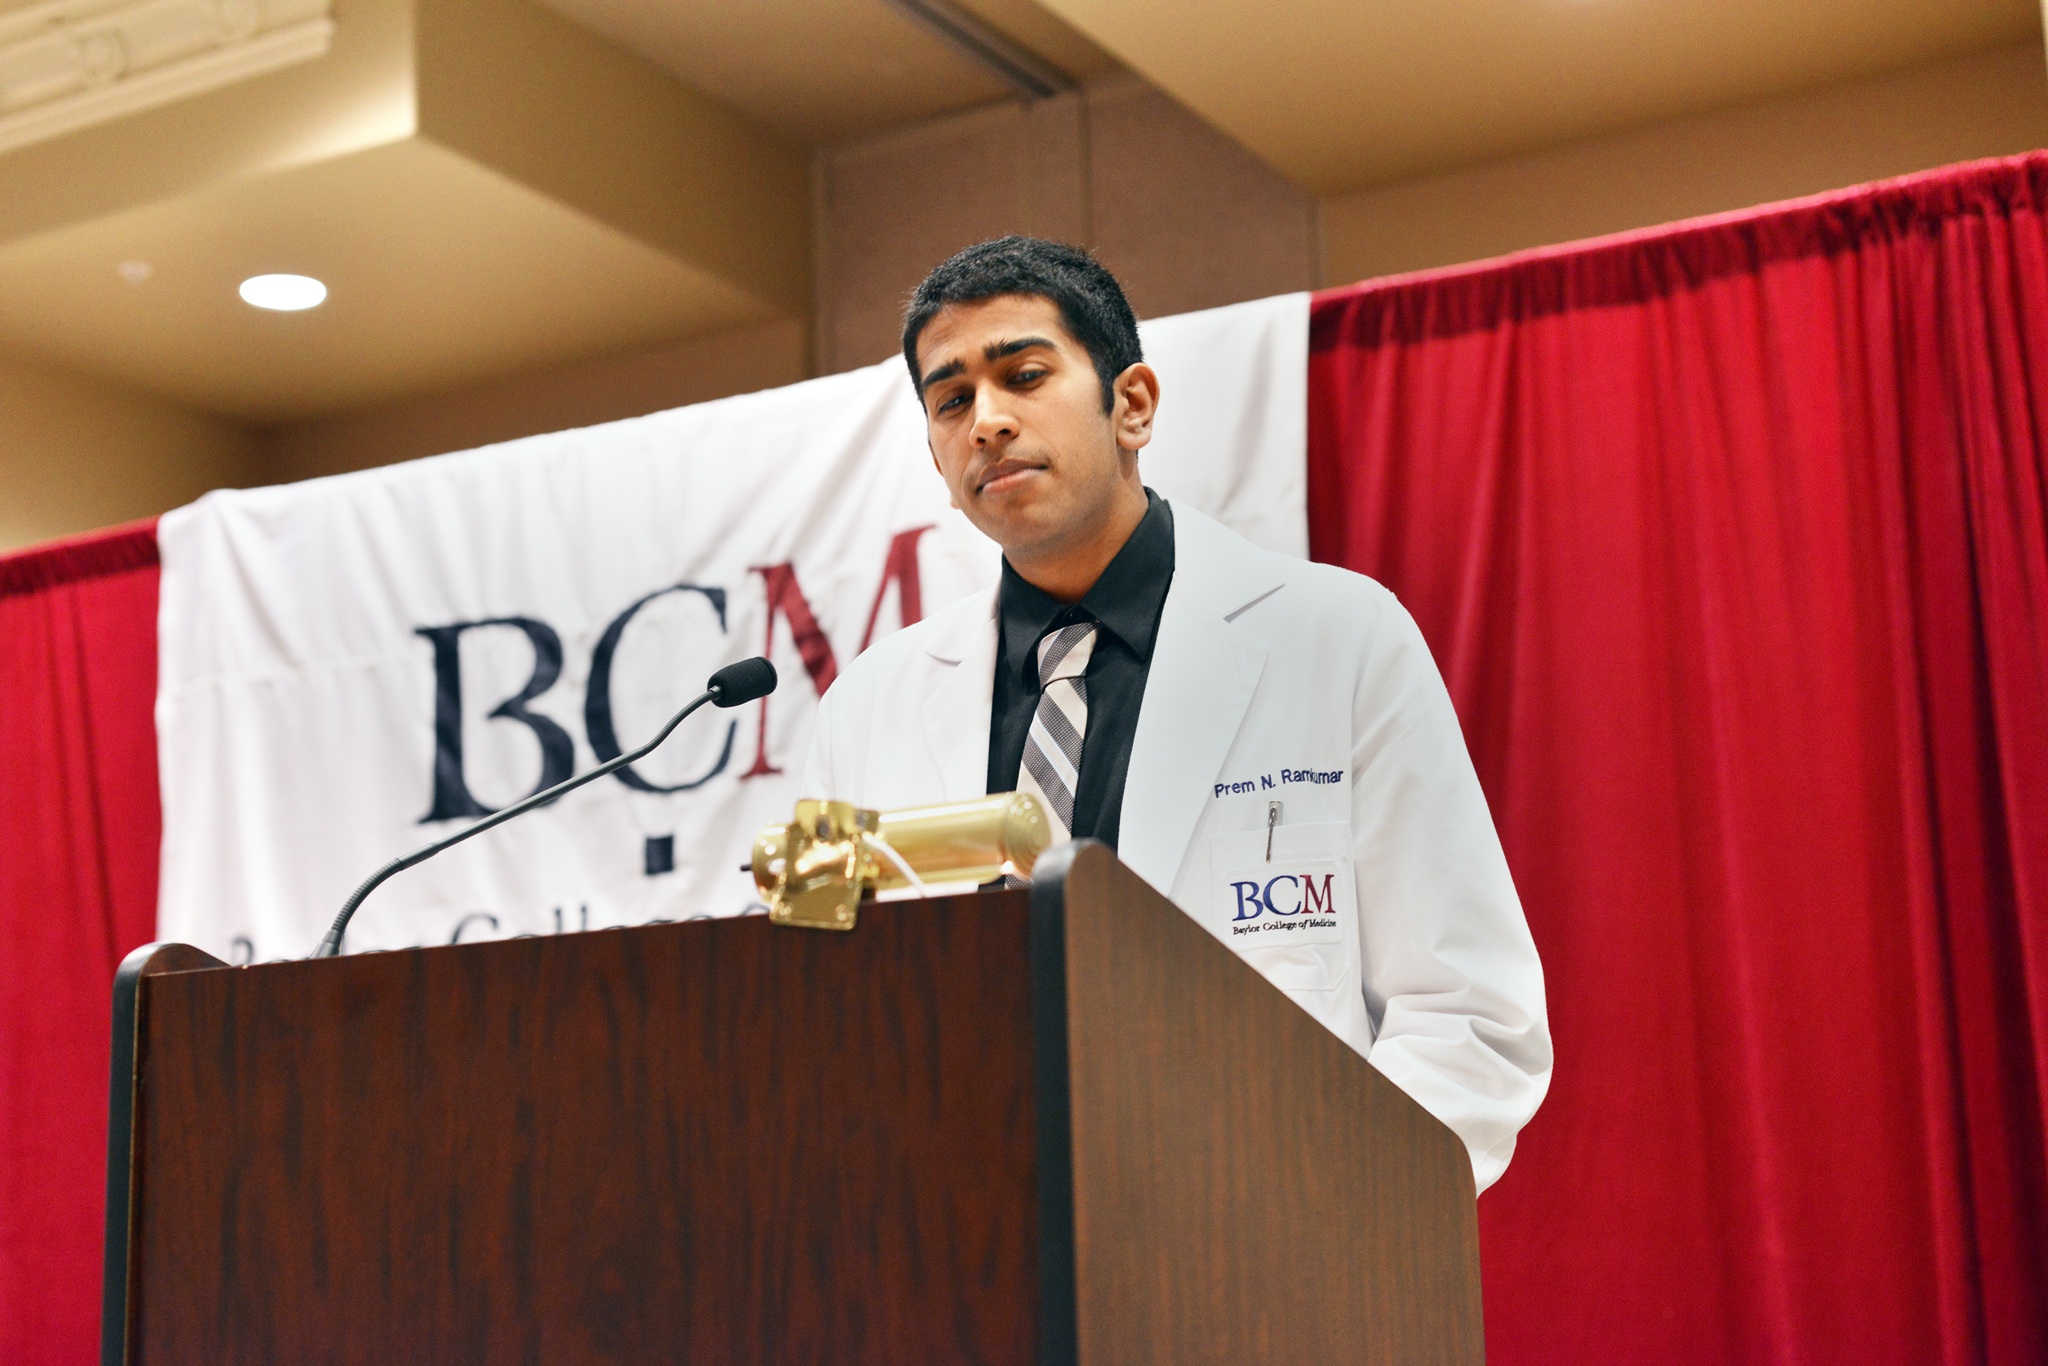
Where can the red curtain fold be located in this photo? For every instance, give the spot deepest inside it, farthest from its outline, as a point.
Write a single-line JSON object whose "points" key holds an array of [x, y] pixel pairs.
{"points": [[1732, 543], [79, 828]]}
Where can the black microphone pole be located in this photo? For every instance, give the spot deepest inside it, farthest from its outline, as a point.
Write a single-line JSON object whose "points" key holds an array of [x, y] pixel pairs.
{"points": [[729, 687]]}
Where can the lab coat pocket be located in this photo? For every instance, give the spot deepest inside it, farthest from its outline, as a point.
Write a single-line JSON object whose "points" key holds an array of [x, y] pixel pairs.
{"points": [[1289, 913]]}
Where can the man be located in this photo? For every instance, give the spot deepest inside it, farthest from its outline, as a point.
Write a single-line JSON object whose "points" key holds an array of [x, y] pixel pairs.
{"points": [[1266, 741]]}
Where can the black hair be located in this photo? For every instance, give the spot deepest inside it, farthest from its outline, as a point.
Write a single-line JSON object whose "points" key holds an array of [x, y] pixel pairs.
{"points": [[1091, 302]]}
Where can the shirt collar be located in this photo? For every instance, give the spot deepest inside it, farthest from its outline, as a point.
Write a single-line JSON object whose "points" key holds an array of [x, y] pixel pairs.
{"points": [[1126, 600]]}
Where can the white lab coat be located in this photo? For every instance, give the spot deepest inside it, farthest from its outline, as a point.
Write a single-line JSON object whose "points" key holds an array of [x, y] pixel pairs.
{"points": [[1385, 908]]}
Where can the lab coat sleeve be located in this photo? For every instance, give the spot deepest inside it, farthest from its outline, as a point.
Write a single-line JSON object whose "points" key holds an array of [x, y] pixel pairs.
{"points": [[1452, 980]]}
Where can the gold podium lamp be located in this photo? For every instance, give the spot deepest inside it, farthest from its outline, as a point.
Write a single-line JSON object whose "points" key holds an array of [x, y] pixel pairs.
{"points": [[813, 871]]}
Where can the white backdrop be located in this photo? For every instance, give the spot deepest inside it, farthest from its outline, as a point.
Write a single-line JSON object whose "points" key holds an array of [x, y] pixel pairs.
{"points": [[332, 653]]}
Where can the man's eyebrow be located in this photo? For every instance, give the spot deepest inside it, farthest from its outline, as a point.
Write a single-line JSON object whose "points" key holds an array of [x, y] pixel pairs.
{"points": [[946, 371], [993, 351], [997, 350]]}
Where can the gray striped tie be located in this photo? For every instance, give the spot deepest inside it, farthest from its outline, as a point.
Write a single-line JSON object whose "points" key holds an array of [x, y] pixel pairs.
{"points": [[1051, 770]]}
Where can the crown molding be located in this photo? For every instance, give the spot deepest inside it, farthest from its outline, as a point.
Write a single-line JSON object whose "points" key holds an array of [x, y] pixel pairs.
{"points": [[69, 64]]}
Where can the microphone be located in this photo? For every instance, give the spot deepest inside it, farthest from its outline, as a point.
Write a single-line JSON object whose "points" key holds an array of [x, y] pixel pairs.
{"points": [[729, 687], [737, 683]]}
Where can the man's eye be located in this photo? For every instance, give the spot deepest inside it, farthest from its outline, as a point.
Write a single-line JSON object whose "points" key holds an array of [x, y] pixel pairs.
{"points": [[1031, 376], [948, 405]]}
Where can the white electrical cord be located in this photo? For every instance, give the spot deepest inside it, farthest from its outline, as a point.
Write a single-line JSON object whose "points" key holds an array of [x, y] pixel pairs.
{"points": [[909, 874]]}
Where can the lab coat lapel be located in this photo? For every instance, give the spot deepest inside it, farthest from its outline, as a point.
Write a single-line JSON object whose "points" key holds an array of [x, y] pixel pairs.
{"points": [[1196, 693], [957, 710]]}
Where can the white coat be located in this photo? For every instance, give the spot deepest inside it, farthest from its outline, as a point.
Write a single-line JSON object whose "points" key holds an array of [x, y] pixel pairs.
{"points": [[1385, 909]]}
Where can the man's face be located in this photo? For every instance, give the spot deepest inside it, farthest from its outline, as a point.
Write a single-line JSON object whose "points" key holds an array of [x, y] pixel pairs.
{"points": [[1014, 411]]}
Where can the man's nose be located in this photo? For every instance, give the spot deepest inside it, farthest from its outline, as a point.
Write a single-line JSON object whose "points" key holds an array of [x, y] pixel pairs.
{"points": [[993, 421]]}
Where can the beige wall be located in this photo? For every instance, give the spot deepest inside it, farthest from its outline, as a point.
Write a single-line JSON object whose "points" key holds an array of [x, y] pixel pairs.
{"points": [[1989, 104], [1185, 217], [77, 453], [576, 395]]}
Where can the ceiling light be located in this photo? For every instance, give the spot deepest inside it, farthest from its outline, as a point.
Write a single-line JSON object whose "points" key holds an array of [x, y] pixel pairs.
{"points": [[134, 272], [283, 293]]}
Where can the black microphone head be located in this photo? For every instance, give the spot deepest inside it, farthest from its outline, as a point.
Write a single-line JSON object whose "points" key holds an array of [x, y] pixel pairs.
{"points": [[742, 682]]}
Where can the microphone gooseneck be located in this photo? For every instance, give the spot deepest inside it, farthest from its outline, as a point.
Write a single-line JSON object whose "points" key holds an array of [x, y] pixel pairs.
{"points": [[729, 687]]}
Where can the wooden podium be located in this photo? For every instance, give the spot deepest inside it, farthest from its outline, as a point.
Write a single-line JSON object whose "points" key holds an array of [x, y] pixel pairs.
{"points": [[1066, 1125]]}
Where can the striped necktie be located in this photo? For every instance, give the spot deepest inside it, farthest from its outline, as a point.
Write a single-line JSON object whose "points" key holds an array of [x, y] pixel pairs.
{"points": [[1051, 770]]}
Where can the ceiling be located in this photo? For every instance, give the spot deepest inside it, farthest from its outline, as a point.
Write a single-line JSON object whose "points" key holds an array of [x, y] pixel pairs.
{"points": [[829, 70], [1338, 94], [439, 271]]}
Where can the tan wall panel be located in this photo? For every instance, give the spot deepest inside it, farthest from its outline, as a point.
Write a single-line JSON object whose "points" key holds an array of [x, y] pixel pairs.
{"points": [[77, 454], [1185, 217], [577, 395], [1990, 104], [890, 208]]}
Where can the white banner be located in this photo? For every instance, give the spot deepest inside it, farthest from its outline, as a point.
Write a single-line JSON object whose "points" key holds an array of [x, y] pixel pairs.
{"points": [[352, 667]]}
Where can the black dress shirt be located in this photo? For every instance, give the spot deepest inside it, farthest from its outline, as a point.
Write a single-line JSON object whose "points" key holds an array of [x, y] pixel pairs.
{"points": [[1125, 604]]}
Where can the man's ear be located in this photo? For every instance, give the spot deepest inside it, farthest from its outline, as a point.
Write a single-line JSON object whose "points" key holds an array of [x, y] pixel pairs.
{"points": [[1137, 403]]}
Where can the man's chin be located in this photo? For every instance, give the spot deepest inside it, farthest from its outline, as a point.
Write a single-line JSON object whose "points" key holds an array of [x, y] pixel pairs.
{"points": [[1016, 523]]}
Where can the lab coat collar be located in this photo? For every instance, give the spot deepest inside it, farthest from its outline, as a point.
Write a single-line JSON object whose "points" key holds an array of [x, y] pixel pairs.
{"points": [[957, 712], [1197, 690], [1200, 684]]}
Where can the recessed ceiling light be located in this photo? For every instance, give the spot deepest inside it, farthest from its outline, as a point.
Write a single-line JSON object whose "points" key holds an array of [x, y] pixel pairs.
{"points": [[134, 272], [283, 293]]}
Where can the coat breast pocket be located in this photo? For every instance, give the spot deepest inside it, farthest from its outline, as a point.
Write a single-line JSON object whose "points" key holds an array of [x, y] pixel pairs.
{"points": [[1290, 911]]}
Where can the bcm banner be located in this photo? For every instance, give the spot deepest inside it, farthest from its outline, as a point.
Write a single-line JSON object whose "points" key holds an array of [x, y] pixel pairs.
{"points": [[352, 667]]}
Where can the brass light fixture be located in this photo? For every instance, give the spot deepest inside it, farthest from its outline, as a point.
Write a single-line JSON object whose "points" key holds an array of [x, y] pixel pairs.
{"points": [[813, 871]]}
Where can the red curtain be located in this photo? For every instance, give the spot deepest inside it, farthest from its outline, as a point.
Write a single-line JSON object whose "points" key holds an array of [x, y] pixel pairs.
{"points": [[78, 866], [1729, 539]]}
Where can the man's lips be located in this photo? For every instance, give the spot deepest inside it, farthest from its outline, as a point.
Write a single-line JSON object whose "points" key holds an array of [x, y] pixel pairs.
{"points": [[1005, 474]]}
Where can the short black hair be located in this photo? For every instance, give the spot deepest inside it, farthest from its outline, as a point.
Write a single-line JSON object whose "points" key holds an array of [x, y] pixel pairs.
{"points": [[1091, 302]]}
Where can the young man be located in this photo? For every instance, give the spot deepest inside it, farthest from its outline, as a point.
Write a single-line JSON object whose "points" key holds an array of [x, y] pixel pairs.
{"points": [[1147, 674]]}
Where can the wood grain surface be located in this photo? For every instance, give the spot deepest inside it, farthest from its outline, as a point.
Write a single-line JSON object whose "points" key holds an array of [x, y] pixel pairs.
{"points": [[124, 1138], [716, 1142], [1246, 1188], [966, 1132]]}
